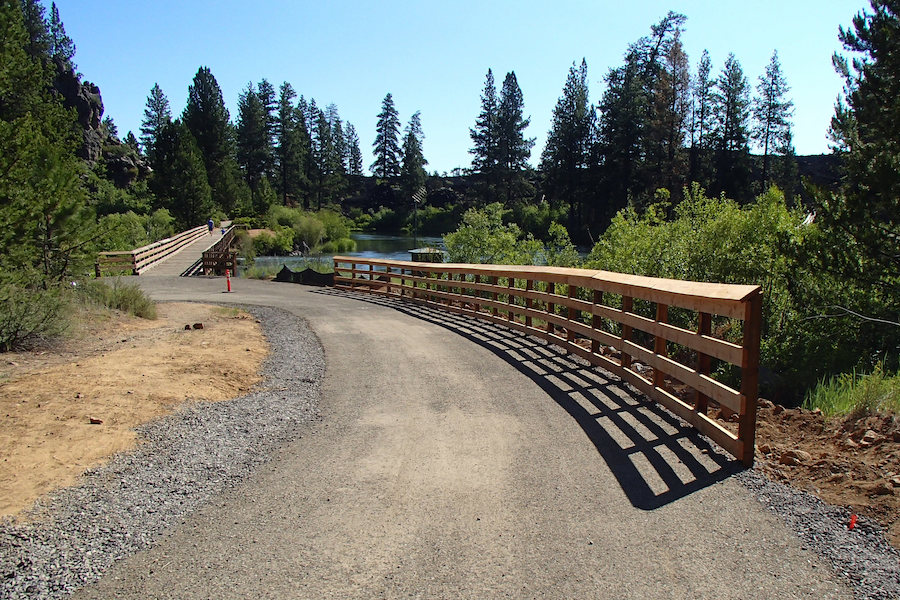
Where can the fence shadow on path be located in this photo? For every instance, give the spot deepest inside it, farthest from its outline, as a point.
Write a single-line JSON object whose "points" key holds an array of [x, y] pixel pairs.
{"points": [[655, 457]]}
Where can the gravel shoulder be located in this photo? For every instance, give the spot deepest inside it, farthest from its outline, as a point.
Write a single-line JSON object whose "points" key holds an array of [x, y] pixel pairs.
{"points": [[186, 459]]}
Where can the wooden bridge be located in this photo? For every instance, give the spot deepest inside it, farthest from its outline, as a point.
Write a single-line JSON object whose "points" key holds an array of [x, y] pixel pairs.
{"points": [[665, 337], [188, 253]]}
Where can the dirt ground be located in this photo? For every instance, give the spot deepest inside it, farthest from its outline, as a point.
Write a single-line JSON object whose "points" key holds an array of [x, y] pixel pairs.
{"points": [[70, 407], [853, 462]]}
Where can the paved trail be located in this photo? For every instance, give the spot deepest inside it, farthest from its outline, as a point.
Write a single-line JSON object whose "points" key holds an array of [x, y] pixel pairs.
{"points": [[440, 470]]}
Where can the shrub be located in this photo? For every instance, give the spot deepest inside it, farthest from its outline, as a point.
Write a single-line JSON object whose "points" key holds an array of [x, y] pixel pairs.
{"points": [[126, 297], [856, 395], [484, 238], [30, 314], [339, 246]]}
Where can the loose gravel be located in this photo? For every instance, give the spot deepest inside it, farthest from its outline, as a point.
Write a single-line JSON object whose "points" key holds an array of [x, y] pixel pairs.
{"points": [[862, 556], [76, 534]]}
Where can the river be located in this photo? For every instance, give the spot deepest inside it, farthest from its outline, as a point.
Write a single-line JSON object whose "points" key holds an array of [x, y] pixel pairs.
{"points": [[368, 245]]}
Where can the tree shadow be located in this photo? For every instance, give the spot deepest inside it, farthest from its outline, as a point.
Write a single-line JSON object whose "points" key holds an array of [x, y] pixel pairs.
{"points": [[656, 457]]}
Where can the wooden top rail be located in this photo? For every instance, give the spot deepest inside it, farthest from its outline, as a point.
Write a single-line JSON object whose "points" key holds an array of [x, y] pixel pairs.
{"points": [[618, 321], [141, 259]]}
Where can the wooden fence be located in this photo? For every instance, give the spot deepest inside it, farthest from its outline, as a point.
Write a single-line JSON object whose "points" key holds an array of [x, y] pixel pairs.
{"points": [[220, 256], [139, 260], [667, 338]]}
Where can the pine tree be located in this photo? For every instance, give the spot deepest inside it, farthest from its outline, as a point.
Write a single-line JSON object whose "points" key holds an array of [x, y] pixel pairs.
{"points": [[484, 134], [412, 171], [386, 145], [45, 223], [253, 150], [38, 33], [566, 156], [156, 117], [179, 177], [513, 148], [668, 126], [701, 117], [863, 219], [293, 146], [355, 160], [208, 120], [731, 114], [266, 93], [772, 116], [62, 48]]}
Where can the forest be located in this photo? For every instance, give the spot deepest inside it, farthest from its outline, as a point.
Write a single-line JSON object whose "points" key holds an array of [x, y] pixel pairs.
{"points": [[674, 171]]}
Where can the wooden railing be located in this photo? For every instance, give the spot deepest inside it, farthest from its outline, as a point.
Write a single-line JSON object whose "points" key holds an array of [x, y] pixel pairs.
{"points": [[139, 260], [663, 336], [220, 256]]}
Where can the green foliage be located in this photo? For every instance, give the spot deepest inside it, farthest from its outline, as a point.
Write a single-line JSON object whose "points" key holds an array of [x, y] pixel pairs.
{"points": [[559, 250], [856, 395], [765, 243], [386, 146], [29, 314], [339, 246], [126, 297], [336, 225], [123, 231], [484, 238]]}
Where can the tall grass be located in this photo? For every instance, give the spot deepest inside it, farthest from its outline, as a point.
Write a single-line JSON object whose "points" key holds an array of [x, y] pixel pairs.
{"points": [[127, 297], [857, 395]]}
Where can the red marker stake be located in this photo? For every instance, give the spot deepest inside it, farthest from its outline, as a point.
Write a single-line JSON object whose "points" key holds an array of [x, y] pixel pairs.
{"points": [[852, 522], [228, 278]]}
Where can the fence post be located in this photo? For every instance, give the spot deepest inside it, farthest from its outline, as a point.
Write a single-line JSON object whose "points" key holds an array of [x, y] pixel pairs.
{"points": [[750, 377], [627, 305], [704, 362], [659, 344]]}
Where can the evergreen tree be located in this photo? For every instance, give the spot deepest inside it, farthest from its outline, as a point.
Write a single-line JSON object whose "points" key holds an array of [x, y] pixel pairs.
{"points": [[292, 148], [566, 156], [484, 134], [156, 117], [45, 223], [772, 116], [701, 169], [668, 126], [513, 148], [62, 48], [253, 150], [38, 42], [386, 145], [208, 120], [864, 217], [179, 177], [412, 171], [268, 98], [132, 143], [731, 113], [355, 159]]}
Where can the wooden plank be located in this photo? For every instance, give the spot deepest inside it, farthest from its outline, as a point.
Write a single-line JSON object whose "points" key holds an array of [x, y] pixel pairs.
{"points": [[659, 344], [627, 306], [704, 361], [750, 377]]}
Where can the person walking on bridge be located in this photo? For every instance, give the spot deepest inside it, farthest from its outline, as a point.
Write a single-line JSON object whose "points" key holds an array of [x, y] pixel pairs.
{"points": [[210, 224]]}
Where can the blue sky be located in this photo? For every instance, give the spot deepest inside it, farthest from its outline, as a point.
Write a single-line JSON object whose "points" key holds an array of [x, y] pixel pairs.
{"points": [[433, 56]]}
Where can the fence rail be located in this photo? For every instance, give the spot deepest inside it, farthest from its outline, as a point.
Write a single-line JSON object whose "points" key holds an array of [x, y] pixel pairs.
{"points": [[140, 259], [665, 337], [221, 257]]}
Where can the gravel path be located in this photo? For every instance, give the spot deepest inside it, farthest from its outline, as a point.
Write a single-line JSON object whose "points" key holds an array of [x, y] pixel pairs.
{"points": [[188, 457]]}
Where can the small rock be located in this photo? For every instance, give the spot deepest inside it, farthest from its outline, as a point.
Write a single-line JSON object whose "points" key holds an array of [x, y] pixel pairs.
{"points": [[95, 421], [12, 363], [895, 481], [896, 436], [79, 395], [198, 325], [764, 448], [871, 438], [778, 409], [787, 459], [763, 403], [882, 489], [849, 443], [187, 327], [795, 457]]}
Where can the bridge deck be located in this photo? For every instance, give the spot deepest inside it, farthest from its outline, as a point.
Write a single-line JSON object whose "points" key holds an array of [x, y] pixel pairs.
{"points": [[180, 261]]}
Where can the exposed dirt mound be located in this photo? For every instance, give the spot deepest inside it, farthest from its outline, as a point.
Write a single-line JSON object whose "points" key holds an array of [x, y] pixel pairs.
{"points": [[854, 462]]}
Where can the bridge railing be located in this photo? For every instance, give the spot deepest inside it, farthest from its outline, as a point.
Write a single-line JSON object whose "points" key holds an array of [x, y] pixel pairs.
{"points": [[140, 259], [665, 337], [220, 256]]}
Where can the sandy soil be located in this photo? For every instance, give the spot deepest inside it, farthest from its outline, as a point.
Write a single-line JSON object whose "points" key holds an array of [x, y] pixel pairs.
{"points": [[121, 371]]}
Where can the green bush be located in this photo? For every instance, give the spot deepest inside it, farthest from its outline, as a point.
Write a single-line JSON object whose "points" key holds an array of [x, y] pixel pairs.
{"points": [[484, 238], [339, 246], [30, 314], [308, 232]]}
